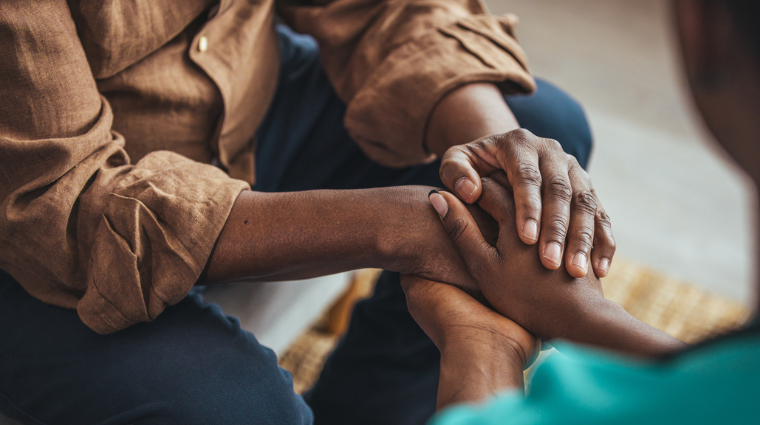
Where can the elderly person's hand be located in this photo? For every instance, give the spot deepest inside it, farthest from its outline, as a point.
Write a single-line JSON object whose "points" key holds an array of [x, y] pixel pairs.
{"points": [[475, 133], [556, 205]]}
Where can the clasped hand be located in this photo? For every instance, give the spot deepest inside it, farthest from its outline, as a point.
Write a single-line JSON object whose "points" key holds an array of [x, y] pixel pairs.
{"points": [[555, 202], [537, 194]]}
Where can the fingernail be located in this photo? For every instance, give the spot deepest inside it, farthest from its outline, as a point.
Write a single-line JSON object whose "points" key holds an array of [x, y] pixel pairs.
{"points": [[438, 202], [604, 266], [530, 230], [580, 260], [552, 252], [465, 188]]}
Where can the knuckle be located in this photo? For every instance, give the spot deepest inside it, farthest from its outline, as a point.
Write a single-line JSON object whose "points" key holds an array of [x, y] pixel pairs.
{"points": [[559, 188], [497, 256], [498, 139], [520, 134], [607, 238], [447, 162], [529, 175], [603, 218], [452, 170], [573, 161], [478, 146], [593, 192], [586, 202], [557, 228], [530, 205], [519, 140], [612, 245], [450, 153], [553, 145], [450, 161], [445, 169], [584, 239], [457, 229], [609, 242], [606, 246]]}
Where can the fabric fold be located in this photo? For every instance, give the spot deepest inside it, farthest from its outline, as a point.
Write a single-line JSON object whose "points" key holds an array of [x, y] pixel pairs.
{"points": [[389, 114], [392, 62], [80, 225]]}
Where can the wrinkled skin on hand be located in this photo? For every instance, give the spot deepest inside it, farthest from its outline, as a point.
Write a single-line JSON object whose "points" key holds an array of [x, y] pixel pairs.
{"points": [[418, 245], [509, 273], [555, 203]]}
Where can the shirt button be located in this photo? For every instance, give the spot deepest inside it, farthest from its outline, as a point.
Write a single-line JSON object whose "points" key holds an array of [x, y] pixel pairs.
{"points": [[203, 44]]}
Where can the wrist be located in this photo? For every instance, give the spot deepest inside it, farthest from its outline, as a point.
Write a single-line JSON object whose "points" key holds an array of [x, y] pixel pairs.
{"points": [[401, 228], [485, 346], [411, 240], [473, 372]]}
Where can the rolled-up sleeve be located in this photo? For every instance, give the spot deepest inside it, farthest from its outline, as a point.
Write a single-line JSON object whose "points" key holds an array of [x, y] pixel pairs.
{"points": [[80, 226], [392, 62]]}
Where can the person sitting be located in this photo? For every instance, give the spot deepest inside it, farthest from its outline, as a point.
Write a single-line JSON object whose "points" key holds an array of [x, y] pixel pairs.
{"points": [[147, 147], [634, 374]]}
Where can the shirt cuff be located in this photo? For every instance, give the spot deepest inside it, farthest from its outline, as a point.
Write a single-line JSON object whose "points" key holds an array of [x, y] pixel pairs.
{"points": [[388, 116], [153, 240]]}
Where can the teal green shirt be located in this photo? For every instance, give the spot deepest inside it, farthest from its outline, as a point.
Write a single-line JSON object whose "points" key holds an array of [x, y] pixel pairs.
{"points": [[718, 383]]}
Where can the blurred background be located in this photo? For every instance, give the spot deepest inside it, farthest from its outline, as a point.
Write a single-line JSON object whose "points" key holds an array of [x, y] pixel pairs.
{"points": [[676, 206]]}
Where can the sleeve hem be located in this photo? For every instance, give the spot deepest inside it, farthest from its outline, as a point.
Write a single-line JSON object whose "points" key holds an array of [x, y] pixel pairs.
{"points": [[152, 244], [389, 115]]}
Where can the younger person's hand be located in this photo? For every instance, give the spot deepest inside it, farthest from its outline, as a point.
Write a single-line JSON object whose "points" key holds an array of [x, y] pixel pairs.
{"points": [[449, 317], [482, 352], [550, 304], [508, 272]]}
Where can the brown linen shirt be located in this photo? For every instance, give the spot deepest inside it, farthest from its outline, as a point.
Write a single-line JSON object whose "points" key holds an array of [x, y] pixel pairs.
{"points": [[111, 111]]}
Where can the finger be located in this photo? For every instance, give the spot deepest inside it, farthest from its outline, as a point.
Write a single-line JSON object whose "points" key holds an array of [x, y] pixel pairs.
{"points": [[519, 158], [462, 166], [557, 194], [463, 232], [497, 201], [580, 236], [604, 241], [500, 177]]}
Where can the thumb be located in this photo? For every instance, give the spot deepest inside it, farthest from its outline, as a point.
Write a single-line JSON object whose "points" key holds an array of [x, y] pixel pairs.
{"points": [[463, 231], [460, 171]]}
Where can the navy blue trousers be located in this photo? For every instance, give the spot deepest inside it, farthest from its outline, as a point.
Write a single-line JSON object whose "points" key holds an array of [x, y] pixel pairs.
{"points": [[193, 364]]}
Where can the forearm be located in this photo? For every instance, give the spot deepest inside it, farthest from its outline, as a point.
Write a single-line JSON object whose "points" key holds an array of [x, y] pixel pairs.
{"points": [[466, 114], [298, 235]]}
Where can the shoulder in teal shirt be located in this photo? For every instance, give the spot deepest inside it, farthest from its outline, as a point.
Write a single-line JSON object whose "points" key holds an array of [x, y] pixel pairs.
{"points": [[717, 383]]}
